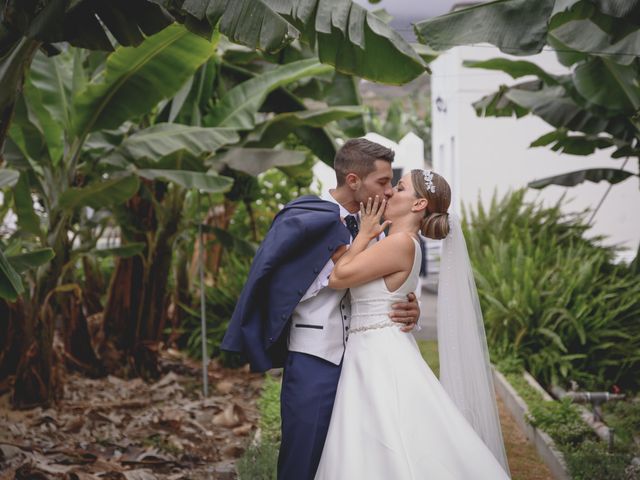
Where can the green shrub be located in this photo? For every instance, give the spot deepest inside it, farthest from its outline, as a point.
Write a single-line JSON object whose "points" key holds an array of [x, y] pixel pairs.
{"points": [[592, 461], [587, 458], [220, 303], [624, 418], [260, 460], [553, 298], [269, 406], [562, 421]]}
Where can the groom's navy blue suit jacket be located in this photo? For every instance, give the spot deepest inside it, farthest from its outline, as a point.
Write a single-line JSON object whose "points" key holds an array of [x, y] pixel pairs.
{"points": [[302, 238]]}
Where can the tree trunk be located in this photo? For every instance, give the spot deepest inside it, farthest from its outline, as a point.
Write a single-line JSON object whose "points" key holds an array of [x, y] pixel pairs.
{"points": [[11, 335], [36, 380], [92, 287], [134, 315], [79, 353], [220, 216], [152, 314]]}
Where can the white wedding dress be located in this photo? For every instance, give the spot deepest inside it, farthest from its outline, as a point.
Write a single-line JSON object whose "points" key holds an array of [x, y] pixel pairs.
{"points": [[392, 420]]}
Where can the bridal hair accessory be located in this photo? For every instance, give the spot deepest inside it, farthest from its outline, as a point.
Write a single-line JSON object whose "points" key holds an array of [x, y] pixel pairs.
{"points": [[428, 181]]}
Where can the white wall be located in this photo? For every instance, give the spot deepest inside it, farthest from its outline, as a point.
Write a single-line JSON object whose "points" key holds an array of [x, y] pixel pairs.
{"points": [[480, 155]]}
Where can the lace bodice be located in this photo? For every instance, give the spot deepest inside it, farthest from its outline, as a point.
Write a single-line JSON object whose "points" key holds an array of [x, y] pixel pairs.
{"points": [[371, 302]]}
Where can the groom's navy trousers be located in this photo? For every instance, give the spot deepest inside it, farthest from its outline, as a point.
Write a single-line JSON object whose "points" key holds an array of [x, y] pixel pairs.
{"points": [[308, 391]]}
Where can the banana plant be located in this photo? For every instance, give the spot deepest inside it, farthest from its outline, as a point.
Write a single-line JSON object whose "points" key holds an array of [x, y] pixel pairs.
{"points": [[55, 148], [593, 106], [344, 34]]}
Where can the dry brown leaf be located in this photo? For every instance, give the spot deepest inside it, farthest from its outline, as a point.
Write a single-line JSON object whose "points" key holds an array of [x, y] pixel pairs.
{"points": [[232, 451], [231, 416], [139, 474], [224, 386], [243, 429]]}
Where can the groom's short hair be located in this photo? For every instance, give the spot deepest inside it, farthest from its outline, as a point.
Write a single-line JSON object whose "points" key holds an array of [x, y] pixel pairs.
{"points": [[358, 156]]}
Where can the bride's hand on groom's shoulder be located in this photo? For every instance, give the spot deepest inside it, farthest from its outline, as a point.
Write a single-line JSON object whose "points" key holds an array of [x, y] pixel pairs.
{"points": [[370, 216]]}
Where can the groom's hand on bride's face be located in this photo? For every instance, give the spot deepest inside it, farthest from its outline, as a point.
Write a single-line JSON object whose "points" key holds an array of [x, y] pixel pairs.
{"points": [[407, 313]]}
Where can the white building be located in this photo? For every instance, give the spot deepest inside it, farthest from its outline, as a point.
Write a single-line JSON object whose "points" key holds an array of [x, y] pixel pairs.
{"points": [[482, 155]]}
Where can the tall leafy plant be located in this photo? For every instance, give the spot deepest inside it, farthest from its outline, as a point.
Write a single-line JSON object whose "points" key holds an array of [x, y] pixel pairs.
{"points": [[57, 159], [553, 298], [593, 106]]}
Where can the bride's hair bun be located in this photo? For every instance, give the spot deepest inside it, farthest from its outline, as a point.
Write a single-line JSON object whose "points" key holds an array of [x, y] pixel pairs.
{"points": [[435, 225], [436, 190]]}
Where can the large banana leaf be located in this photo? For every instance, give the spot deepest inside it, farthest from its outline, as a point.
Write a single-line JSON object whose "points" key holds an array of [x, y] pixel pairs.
{"points": [[561, 140], [12, 66], [608, 84], [518, 27], [248, 22], [28, 220], [555, 107], [238, 107], [102, 193], [275, 130], [32, 259], [317, 139], [583, 35], [10, 283], [49, 122], [153, 144], [205, 182], [52, 77], [344, 90], [83, 23], [515, 68], [136, 79], [349, 37], [257, 160], [595, 175]]}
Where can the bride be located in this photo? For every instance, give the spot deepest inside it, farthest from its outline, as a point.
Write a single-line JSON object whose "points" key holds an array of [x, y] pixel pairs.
{"points": [[392, 418]]}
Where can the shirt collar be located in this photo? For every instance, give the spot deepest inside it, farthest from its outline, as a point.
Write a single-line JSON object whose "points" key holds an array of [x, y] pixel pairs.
{"points": [[326, 195]]}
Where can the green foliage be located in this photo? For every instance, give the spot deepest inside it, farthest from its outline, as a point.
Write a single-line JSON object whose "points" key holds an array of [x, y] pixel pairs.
{"points": [[260, 461], [586, 457], [592, 461], [274, 189], [562, 421], [552, 298], [429, 351], [491, 22], [220, 303], [269, 406], [624, 418], [403, 116], [592, 106]]}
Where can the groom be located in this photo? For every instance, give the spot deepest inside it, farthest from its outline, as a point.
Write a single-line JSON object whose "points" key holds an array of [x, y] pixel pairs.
{"points": [[288, 317]]}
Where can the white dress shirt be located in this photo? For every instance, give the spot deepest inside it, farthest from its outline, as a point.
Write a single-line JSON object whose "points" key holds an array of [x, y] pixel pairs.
{"points": [[320, 322]]}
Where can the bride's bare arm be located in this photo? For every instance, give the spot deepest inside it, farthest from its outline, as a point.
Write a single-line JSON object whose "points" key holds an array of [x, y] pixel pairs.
{"points": [[390, 255], [361, 264]]}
